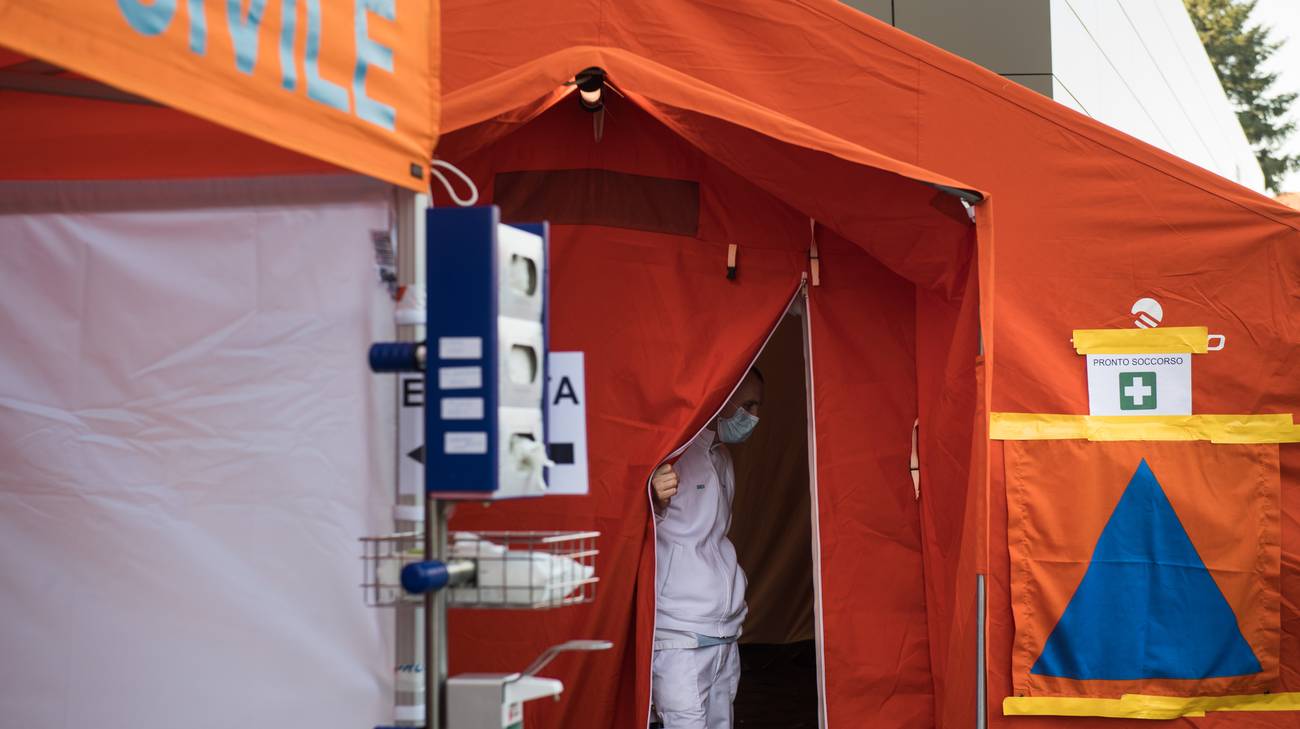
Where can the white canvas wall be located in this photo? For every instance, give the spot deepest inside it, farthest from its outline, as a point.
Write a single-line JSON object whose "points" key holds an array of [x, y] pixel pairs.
{"points": [[190, 445], [1141, 68]]}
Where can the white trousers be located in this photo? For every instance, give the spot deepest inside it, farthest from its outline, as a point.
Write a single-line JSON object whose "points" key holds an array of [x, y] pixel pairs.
{"points": [[693, 688]]}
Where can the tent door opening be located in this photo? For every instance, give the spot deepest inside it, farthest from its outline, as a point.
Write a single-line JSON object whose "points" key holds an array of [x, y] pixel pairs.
{"points": [[772, 528]]}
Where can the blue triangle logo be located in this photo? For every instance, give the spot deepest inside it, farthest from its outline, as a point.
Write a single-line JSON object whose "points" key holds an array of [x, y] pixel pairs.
{"points": [[1147, 606]]}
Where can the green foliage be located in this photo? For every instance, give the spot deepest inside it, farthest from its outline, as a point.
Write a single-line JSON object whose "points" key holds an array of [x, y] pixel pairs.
{"points": [[1238, 49]]}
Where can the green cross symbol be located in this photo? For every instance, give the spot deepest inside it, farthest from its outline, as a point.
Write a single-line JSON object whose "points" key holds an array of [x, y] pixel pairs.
{"points": [[1137, 391]]}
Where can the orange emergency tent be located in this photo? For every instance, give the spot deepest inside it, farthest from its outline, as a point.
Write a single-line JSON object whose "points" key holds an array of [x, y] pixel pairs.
{"points": [[827, 146], [125, 90]]}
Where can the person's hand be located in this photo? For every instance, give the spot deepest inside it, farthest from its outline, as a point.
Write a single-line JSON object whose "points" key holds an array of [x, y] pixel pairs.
{"points": [[664, 484]]}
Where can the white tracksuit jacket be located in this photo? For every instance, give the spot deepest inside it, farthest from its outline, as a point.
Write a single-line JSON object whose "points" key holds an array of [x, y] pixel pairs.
{"points": [[700, 586]]}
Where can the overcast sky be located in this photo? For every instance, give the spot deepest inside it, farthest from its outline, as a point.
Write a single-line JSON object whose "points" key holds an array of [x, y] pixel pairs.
{"points": [[1283, 16]]}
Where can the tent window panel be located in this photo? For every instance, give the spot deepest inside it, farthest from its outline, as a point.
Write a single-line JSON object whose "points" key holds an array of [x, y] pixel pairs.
{"points": [[600, 197]]}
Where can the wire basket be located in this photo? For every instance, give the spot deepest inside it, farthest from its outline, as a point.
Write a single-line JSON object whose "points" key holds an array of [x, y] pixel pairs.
{"points": [[382, 560], [512, 569]]}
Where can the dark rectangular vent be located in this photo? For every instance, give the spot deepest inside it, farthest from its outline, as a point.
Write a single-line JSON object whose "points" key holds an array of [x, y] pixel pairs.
{"points": [[599, 197]]}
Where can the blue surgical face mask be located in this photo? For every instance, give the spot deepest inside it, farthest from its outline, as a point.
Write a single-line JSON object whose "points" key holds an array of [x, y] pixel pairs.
{"points": [[738, 427]]}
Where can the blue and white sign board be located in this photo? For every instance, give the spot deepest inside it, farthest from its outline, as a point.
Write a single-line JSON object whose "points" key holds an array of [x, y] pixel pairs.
{"points": [[1140, 384], [566, 426], [484, 415]]}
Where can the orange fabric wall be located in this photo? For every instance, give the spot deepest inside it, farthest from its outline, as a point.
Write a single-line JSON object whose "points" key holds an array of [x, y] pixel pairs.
{"points": [[58, 138], [875, 643], [947, 355]]}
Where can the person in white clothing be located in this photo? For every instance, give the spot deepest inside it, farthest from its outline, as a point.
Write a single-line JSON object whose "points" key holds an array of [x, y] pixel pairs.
{"points": [[700, 601]]}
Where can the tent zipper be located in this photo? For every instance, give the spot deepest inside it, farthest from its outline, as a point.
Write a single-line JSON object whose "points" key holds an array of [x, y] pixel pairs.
{"points": [[810, 395]]}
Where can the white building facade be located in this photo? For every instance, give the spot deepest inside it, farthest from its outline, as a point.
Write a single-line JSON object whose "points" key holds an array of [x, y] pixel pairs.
{"points": [[1136, 65]]}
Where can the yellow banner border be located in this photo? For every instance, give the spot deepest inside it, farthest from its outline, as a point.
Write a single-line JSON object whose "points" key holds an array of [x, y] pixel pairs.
{"points": [[1169, 340], [1145, 706], [1270, 428]]}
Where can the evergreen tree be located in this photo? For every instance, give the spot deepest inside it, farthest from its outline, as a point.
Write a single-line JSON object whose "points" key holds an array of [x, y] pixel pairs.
{"points": [[1238, 49]]}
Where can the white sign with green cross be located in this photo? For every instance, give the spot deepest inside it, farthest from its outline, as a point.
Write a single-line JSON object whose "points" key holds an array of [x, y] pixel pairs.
{"points": [[1140, 384]]}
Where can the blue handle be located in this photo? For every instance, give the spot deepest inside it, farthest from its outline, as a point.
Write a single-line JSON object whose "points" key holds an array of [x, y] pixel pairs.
{"points": [[395, 357], [421, 577]]}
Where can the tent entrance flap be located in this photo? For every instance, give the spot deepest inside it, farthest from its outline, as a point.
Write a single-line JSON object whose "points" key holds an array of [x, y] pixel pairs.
{"points": [[772, 530]]}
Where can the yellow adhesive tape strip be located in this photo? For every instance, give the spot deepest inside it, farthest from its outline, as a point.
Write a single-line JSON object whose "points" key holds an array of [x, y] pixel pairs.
{"points": [[1271, 428], [1169, 340], [1143, 706]]}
